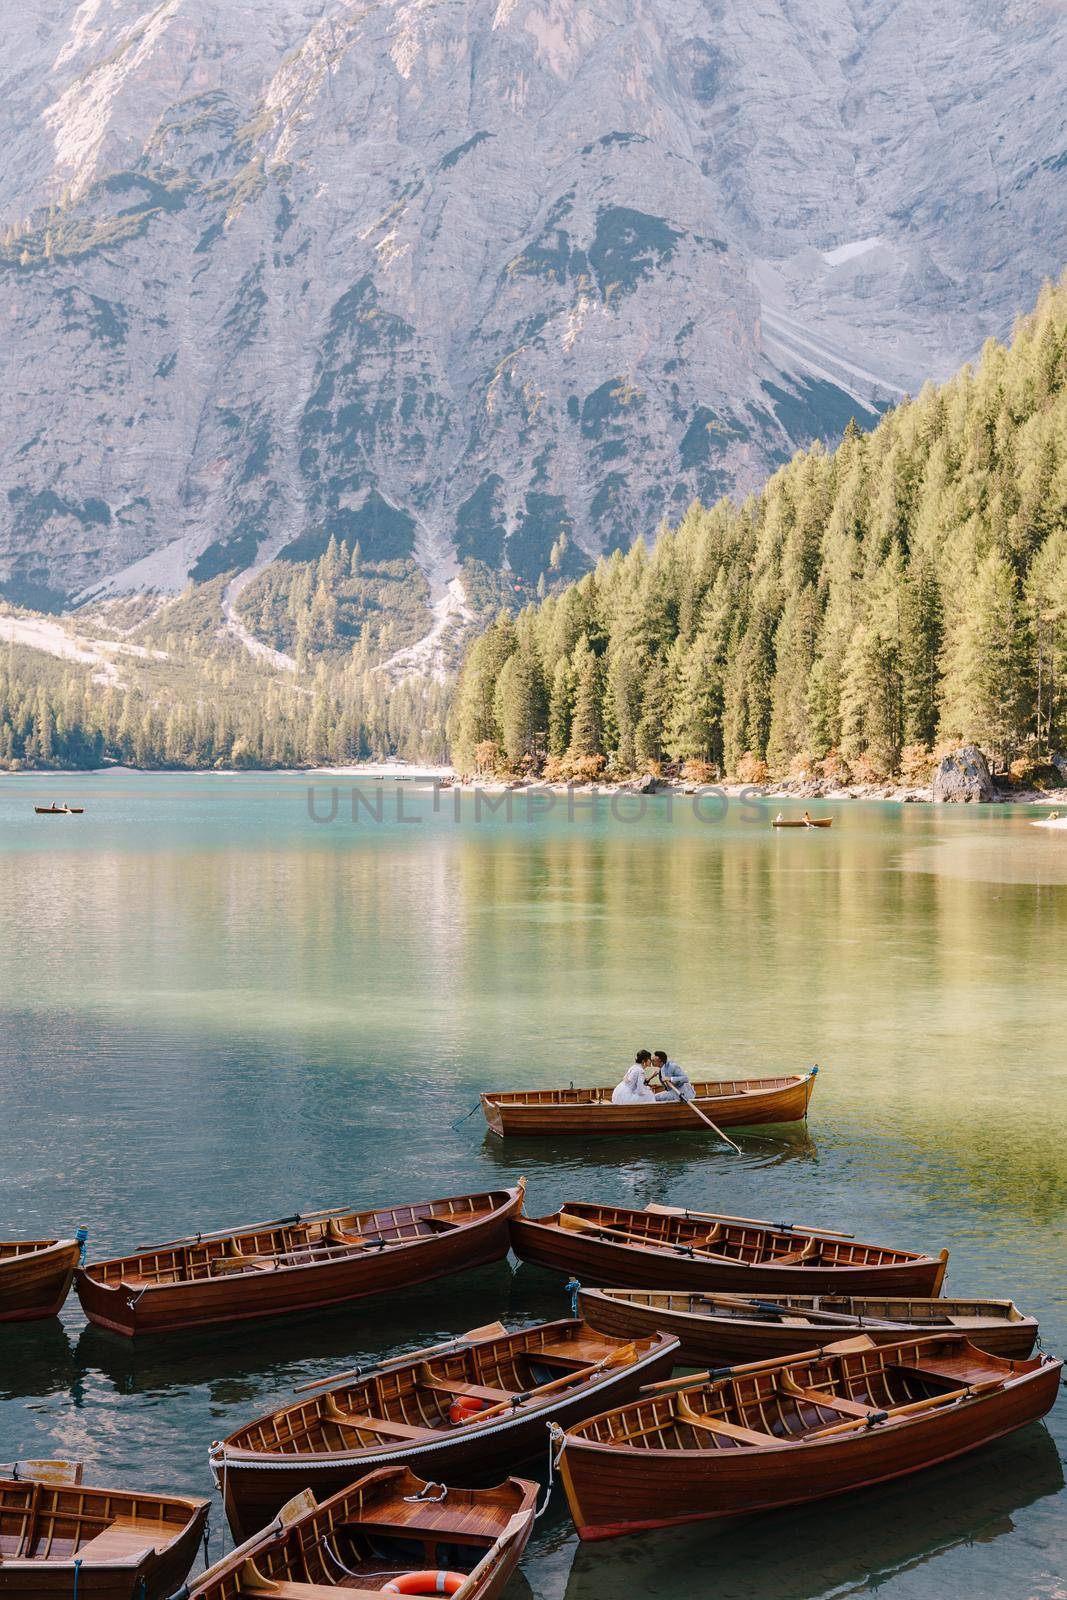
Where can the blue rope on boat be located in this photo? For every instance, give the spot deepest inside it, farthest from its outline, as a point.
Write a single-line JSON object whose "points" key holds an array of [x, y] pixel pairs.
{"points": [[77, 1571], [81, 1239], [572, 1287]]}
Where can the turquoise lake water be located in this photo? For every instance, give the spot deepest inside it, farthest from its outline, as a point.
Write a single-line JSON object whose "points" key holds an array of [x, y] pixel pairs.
{"points": [[214, 1008]]}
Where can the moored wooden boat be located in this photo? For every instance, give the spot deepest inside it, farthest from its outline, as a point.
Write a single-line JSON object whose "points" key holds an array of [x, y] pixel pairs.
{"points": [[722, 1327], [729, 1102], [59, 1538], [376, 1536], [35, 1277], [461, 1415], [658, 1249], [780, 1433], [295, 1264]]}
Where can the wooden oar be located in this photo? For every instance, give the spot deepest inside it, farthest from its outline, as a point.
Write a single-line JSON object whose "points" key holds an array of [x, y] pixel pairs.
{"points": [[492, 1330], [842, 1317], [748, 1222], [587, 1225], [694, 1380], [953, 1396], [620, 1357], [249, 1227], [714, 1126]]}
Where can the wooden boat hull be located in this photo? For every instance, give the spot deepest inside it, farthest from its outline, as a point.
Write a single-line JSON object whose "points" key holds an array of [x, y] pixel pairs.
{"points": [[613, 1491], [489, 1529], [815, 822], [254, 1490], [35, 1282], [589, 1112], [157, 1573], [710, 1340], [130, 1307], [603, 1262]]}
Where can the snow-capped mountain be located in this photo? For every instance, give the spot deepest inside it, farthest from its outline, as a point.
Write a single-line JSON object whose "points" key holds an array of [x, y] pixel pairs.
{"points": [[453, 277]]}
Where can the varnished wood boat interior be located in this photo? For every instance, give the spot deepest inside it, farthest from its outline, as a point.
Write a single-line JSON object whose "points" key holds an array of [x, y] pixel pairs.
{"points": [[387, 1524], [825, 1310], [706, 1089], [734, 1239], [60, 1519], [418, 1402], [787, 1403], [18, 1250], [343, 1235]]}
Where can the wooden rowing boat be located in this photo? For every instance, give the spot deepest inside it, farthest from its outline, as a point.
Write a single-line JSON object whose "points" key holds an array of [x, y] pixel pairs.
{"points": [[654, 1250], [60, 1539], [780, 1433], [729, 1102], [295, 1264], [722, 1327], [812, 822], [462, 1415], [35, 1277], [373, 1533], [59, 811]]}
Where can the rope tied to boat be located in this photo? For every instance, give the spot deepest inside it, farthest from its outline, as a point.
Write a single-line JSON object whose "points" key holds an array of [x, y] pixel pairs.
{"points": [[81, 1238], [461, 1120], [556, 1441], [426, 1494], [77, 1575], [573, 1288]]}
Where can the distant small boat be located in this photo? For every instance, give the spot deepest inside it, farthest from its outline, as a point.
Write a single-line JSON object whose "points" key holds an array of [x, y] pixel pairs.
{"points": [[358, 1542], [35, 1277], [62, 1540], [812, 822], [59, 811], [1055, 821], [729, 1102]]}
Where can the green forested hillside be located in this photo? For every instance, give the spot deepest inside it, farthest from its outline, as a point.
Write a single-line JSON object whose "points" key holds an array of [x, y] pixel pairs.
{"points": [[908, 589]]}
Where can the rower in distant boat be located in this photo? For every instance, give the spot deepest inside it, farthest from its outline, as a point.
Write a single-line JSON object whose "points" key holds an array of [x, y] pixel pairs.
{"points": [[808, 820], [675, 1080]]}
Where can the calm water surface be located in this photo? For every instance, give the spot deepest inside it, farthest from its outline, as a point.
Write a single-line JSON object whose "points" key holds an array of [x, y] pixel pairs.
{"points": [[214, 1009]]}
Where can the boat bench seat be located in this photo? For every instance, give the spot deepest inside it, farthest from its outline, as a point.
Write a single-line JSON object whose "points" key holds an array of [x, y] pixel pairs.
{"points": [[726, 1430], [125, 1537], [582, 1351], [832, 1402], [383, 1425], [473, 1391], [437, 1530]]}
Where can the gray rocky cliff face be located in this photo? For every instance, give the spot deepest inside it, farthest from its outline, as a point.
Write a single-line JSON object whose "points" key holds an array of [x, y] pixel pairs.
{"points": [[455, 277]]}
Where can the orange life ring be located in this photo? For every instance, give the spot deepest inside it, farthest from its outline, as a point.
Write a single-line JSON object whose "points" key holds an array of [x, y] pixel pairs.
{"points": [[426, 1583], [465, 1407]]}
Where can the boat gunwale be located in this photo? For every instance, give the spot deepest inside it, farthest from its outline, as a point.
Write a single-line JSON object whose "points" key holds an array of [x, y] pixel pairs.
{"points": [[506, 1197], [883, 1255], [543, 1099], [620, 1295]]}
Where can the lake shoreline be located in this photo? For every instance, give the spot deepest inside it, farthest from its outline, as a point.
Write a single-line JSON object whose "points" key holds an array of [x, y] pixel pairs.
{"points": [[824, 791]]}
